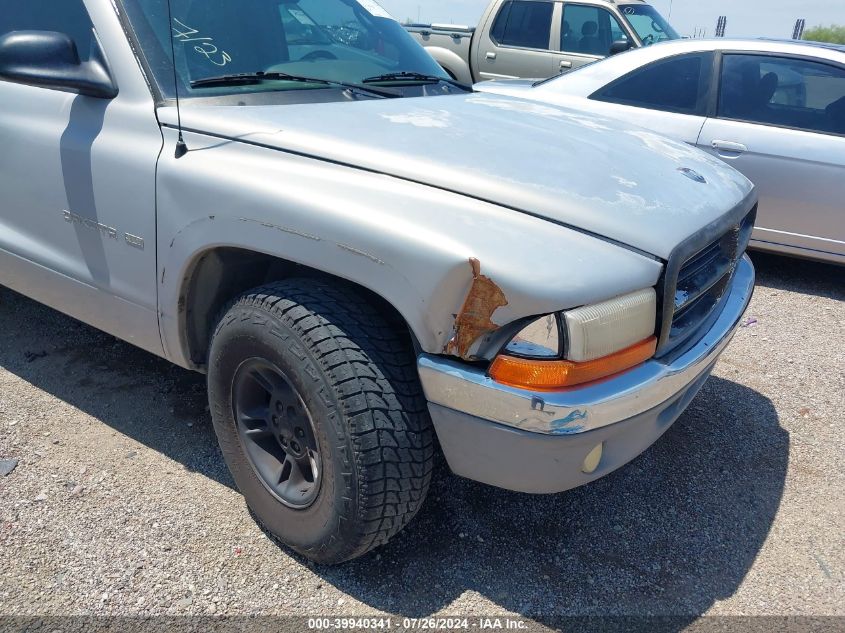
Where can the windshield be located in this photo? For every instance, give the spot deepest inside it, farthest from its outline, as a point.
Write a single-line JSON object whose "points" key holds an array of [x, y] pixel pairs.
{"points": [[344, 41], [648, 24]]}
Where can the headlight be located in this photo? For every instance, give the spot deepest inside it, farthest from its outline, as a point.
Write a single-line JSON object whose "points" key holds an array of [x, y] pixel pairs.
{"points": [[592, 342], [605, 328]]}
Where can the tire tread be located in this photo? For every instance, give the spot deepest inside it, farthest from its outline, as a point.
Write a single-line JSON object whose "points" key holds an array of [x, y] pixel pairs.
{"points": [[371, 368]]}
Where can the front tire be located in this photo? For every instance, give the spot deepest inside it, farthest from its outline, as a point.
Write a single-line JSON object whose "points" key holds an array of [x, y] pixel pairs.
{"points": [[319, 413]]}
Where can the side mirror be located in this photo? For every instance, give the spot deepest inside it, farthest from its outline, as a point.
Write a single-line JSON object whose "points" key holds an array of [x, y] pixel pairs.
{"points": [[50, 60], [620, 46]]}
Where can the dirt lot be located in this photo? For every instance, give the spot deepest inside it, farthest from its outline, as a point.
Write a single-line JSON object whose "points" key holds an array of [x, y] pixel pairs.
{"points": [[120, 503]]}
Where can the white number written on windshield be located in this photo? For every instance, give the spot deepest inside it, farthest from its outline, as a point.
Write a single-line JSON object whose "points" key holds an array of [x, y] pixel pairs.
{"points": [[205, 47]]}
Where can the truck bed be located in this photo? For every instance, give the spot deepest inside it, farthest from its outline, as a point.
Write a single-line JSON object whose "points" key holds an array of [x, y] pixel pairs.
{"points": [[459, 29], [449, 44]]}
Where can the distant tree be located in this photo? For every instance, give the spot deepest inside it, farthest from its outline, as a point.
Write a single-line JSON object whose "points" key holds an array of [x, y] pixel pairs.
{"points": [[835, 34]]}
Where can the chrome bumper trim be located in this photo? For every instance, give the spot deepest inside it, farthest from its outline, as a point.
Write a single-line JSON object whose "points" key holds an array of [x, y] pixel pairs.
{"points": [[468, 389]]}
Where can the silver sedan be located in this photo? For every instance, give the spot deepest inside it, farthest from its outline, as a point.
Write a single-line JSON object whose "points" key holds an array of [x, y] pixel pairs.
{"points": [[774, 110]]}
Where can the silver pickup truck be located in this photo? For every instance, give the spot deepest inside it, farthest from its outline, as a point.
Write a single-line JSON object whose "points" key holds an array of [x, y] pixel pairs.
{"points": [[285, 208], [536, 39]]}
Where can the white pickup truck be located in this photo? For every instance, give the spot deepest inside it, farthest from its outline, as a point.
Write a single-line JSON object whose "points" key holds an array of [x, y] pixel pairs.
{"points": [[536, 39], [299, 226]]}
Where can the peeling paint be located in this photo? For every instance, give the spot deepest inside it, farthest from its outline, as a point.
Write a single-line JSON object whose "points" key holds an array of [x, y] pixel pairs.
{"points": [[475, 317], [564, 426], [361, 253], [283, 229]]}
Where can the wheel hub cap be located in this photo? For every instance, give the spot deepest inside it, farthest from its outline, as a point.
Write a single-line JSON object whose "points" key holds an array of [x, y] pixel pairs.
{"points": [[277, 433]]}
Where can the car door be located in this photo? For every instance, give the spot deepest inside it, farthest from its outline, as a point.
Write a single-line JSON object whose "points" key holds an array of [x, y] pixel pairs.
{"points": [[77, 176], [586, 34], [780, 120], [669, 96], [518, 43]]}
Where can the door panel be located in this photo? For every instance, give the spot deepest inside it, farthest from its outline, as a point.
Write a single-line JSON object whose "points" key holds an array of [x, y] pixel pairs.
{"points": [[518, 43], [781, 121], [800, 177], [682, 127], [586, 33], [77, 216]]}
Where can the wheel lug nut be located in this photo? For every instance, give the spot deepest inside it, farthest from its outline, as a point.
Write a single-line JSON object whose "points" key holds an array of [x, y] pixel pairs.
{"points": [[299, 432], [284, 442], [280, 407], [295, 446]]}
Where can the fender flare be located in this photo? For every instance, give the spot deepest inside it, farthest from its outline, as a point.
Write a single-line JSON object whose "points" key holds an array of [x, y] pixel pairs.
{"points": [[452, 63], [178, 261]]}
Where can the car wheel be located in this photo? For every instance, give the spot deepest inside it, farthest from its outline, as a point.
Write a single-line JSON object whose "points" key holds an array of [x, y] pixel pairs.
{"points": [[320, 416]]}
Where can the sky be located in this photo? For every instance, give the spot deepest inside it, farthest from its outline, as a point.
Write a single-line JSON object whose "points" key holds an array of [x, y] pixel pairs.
{"points": [[746, 18]]}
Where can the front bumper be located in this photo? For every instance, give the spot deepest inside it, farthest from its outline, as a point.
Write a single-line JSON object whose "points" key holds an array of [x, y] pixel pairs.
{"points": [[537, 441]]}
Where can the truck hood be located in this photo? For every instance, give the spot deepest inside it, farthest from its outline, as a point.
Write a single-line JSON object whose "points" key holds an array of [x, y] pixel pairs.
{"points": [[600, 176]]}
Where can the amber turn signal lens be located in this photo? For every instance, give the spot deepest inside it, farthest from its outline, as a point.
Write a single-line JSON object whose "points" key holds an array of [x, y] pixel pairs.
{"points": [[548, 375]]}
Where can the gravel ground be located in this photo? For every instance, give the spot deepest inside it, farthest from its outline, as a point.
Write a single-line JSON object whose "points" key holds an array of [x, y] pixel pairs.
{"points": [[120, 503]]}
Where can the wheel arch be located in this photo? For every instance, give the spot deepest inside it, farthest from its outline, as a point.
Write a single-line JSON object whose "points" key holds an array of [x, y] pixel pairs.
{"points": [[452, 63], [218, 275]]}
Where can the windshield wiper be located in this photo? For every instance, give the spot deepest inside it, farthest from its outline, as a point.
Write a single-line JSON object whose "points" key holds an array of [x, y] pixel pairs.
{"points": [[417, 77], [246, 79]]}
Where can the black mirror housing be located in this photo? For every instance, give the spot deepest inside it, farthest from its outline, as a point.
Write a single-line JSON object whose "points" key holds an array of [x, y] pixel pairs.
{"points": [[50, 60], [620, 46]]}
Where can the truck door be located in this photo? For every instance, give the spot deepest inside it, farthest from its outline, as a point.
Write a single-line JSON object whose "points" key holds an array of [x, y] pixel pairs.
{"points": [[77, 176], [586, 34], [519, 41]]}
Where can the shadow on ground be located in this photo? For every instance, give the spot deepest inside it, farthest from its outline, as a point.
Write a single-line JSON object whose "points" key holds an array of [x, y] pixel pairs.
{"points": [[671, 533], [800, 275], [135, 393]]}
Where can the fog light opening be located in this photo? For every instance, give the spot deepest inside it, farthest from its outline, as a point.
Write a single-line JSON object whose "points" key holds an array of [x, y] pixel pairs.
{"points": [[593, 459]]}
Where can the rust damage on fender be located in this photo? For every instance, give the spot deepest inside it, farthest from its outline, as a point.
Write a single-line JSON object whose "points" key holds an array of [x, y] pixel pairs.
{"points": [[475, 317]]}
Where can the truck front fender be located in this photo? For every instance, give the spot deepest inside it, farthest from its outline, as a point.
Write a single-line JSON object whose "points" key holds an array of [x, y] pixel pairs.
{"points": [[452, 63], [431, 254]]}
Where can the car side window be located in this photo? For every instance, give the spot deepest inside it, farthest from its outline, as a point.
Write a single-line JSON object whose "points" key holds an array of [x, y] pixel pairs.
{"points": [[523, 23], [680, 84], [589, 30], [783, 91], [65, 16]]}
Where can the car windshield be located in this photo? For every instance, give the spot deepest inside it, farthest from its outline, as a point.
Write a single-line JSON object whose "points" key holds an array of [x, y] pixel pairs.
{"points": [[648, 24], [342, 41]]}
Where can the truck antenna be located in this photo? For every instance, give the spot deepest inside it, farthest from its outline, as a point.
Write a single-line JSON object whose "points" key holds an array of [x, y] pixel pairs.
{"points": [[181, 147]]}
